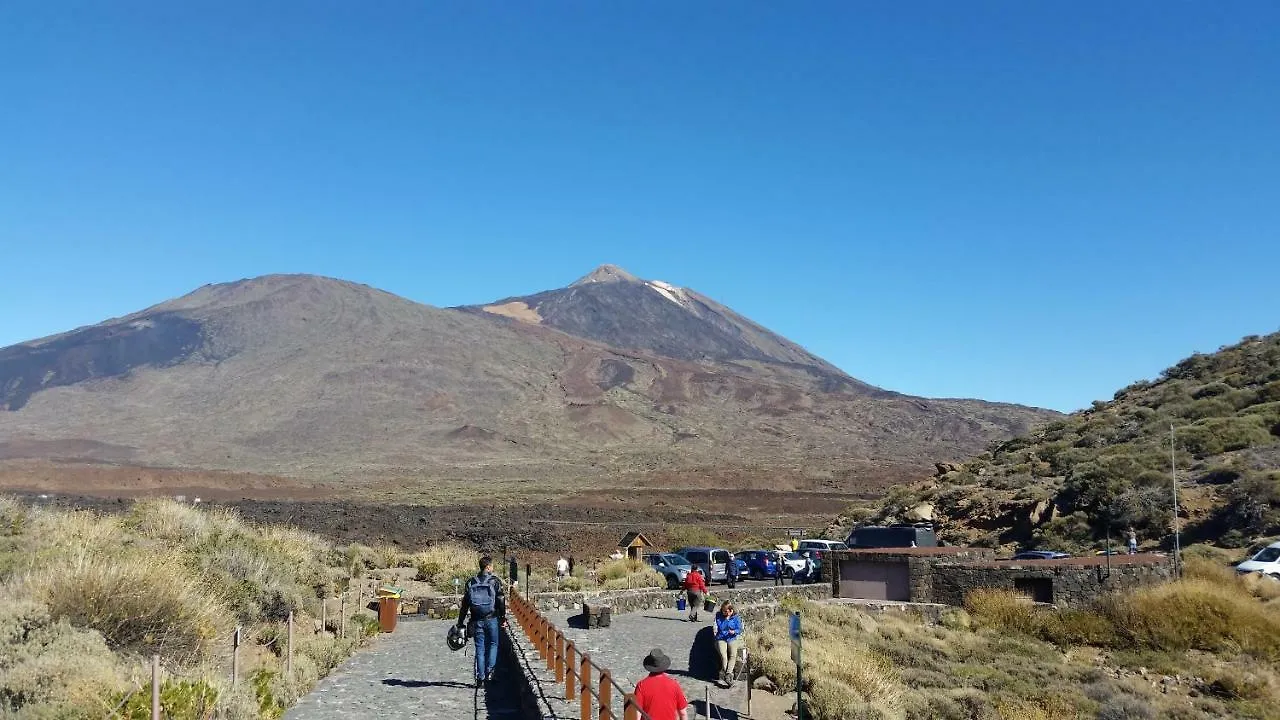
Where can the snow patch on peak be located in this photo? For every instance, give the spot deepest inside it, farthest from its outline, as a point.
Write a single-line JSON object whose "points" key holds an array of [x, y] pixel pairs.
{"points": [[677, 295]]}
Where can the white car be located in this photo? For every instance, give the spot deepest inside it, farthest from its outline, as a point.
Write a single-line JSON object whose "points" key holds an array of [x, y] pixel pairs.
{"points": [[1267, 562]]}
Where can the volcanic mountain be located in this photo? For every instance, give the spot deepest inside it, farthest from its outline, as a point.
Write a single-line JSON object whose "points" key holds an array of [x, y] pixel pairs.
{"points": [[317, 378]]}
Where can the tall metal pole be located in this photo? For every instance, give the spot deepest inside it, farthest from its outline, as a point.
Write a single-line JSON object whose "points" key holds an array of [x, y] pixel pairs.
{"points": [[1177, 526]]}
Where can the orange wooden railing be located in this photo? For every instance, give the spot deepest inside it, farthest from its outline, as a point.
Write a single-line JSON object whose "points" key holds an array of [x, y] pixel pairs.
{"points": [[573, 668]]}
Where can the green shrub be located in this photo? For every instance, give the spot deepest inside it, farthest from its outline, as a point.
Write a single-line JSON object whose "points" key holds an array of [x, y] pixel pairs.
{"points": [[179, 700], [1215, 436], [679, 536], [365, 625], [49, 668]]}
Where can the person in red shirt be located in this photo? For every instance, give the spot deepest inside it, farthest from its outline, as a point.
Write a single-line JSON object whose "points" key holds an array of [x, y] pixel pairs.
{"points": [[695, 587], [659, 695]]}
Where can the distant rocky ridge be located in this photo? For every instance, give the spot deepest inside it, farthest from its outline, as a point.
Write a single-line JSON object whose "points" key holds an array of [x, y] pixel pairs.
{"points": [[312, 377]]}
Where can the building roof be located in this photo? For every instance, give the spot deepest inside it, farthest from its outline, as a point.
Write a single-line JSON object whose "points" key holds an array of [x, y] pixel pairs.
{"points": [[1085, 561], [630, 539]]}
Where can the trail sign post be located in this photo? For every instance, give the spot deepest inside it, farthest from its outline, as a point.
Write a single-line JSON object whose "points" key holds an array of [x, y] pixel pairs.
{"points": [[795, 655], [795, 533]]}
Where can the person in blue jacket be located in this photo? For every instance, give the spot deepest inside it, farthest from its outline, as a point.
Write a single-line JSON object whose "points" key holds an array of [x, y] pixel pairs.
{"points": [[728, 641]]}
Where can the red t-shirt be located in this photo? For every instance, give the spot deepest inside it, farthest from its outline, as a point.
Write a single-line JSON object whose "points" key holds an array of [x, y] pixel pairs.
{"points": [[660, 697]]}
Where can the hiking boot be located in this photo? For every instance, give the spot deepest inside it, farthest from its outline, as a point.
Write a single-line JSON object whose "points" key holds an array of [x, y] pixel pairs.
{"points": [[488, 678], [479, 683]]}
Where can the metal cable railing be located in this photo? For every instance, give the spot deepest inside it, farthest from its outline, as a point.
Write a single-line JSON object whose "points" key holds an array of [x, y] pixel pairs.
{"points": [[574, 668]]}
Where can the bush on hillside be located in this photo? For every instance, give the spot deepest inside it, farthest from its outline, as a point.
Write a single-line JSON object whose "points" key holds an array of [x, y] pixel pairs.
{"points": [[141, 604], [49, 668], [1215, 436]]}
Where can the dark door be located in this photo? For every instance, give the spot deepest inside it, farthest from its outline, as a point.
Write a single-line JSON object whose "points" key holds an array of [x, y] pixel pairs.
{"points": [[874, 581]]}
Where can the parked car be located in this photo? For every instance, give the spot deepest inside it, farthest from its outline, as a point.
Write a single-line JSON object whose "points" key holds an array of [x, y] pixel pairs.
{"points": [[673, 567], [713, 561], [819, 547], [741, 565], [1041, 555], [1265, 561], [760, 564], [876, 536]]}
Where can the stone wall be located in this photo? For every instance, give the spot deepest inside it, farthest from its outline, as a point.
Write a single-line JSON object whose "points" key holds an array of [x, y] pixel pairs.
{"points": [[625, 601], [920, 562], [1072, 582]]}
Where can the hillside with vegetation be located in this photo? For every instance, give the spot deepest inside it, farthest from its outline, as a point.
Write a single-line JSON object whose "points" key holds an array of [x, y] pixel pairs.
{"points": [[1205, 646], [86, 599], [1095, 473]]}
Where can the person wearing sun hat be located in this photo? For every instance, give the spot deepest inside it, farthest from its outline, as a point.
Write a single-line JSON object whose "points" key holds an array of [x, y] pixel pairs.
{"points": [[659, 695]]}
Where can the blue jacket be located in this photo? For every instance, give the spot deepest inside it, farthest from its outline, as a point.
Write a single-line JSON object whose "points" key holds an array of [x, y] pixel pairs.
{"points": [[724, 625]]}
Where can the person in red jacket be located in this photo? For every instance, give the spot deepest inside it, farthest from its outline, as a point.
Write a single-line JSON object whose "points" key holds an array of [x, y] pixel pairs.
{"points": [[695, 587]]}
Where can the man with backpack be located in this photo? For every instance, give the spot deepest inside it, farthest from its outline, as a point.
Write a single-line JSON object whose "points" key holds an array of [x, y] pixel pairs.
{"points": [[484, 599]]}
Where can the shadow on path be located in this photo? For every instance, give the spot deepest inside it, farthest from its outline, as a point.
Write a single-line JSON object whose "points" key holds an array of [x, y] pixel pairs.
{"points": [[715, 712], [397, 682], [659, 617]]}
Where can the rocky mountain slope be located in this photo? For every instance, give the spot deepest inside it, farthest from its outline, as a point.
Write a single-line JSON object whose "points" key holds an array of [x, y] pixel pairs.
{"points": [[1109, 468], [318, 378]]}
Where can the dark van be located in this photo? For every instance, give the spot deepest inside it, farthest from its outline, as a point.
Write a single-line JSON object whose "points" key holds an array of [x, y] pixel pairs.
{"points": [[875, 536]]}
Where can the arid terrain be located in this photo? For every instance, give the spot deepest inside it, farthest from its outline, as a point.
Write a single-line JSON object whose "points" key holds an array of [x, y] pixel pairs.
{"points": [[614, 394]]}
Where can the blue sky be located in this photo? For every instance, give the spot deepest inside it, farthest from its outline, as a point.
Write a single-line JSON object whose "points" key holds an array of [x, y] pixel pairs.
{"points": [[1030, 202]]}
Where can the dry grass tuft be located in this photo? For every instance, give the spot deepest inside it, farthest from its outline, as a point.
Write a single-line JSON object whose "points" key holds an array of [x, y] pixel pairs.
{"points": [[139, 603], [628, 574], [441, 564]]}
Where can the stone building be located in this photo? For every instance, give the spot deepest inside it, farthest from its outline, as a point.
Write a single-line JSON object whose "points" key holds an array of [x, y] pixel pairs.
{"points": [[946, 574]]}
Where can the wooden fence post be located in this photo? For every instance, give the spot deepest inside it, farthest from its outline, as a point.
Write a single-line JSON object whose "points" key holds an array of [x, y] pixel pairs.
{"points": [[629, 710], [584, 687], [559, 657], [570, 684], [155, 687], [342, 616], [235, 656], [288, 660], [324, 615], [606, 695]]}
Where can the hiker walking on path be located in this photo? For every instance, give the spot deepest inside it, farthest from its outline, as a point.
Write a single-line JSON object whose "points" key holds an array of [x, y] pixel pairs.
{"points": [[513, 570], [695, 587], [571, 565], [728, 642], [1133, 542], [660, 696], [562, 568], [485, 601]]}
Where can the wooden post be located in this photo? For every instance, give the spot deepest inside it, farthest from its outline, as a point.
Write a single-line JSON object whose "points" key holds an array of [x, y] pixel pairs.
{"points": [[547, 648], [559, 657], [606, 695], [342, 617], [155, 687], [570, 682], [630, 711], [288, 659], [324, 615], [359, 598], [584, 687], [235, 656]]}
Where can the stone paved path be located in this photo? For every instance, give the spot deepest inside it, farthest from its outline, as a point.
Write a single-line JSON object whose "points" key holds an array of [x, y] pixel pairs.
{"points": [[410, 673], [691, 647]]}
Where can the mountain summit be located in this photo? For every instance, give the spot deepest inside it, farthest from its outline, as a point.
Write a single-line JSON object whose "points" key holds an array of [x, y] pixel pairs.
{"points": [[614, 307], [605, 274]]}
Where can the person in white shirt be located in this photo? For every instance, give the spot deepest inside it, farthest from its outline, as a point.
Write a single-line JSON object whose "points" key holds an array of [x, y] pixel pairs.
{"points": [[562, 568]]}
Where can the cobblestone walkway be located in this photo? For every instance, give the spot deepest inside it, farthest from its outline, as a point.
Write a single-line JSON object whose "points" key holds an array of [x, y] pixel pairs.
{"points": [[691, 647], [410, 673]]}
